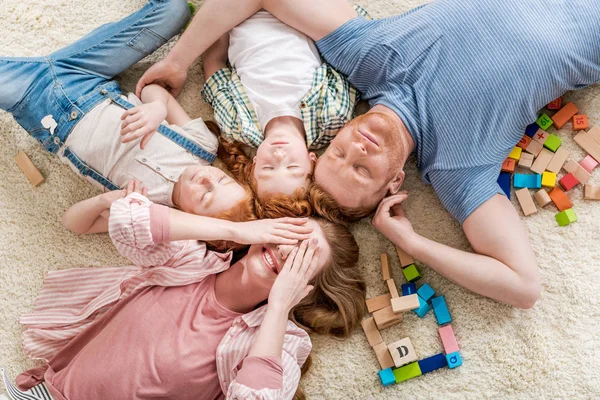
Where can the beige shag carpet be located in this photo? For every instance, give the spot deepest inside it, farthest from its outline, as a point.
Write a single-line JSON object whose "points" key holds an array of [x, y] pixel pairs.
{"points": [[551, 351]]}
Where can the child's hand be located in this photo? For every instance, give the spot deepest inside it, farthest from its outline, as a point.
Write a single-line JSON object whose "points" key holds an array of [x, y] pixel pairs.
{"points": [[273, 231], [132, 186], [391, 221], [142, 121]]}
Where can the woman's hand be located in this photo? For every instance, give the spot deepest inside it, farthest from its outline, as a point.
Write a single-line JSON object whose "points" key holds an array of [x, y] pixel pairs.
{"points": [[391, 221], [142, 121], [165, 73], [291, 285], [273, 231]]}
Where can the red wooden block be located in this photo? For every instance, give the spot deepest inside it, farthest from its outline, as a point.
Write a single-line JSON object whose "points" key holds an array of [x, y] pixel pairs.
{"points": [[560, 199], [568, 181], [524, 142], [580, 122], [555, 104], [508, 165]]}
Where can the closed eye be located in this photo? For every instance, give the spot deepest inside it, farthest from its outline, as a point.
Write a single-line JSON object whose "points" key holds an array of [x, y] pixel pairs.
{"points": [[362, 171], [338, 153]]}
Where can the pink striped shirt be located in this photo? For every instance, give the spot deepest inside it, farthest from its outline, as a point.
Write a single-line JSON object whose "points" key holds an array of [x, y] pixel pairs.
{"points": [[71, 300]]}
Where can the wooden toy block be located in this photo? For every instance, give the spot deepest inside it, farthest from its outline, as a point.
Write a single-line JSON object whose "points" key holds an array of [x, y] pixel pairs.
{"points": [[531, 129], [411, 273], [371, 331], [433, 363], [568, 182], [591, 192], [578, 171], [555, 104], [442, 314], [386, 317], [534, 148], [541, 136], [424, 309], [385, 267], [564, 115], [408, 288], [524, 142], [448, 339], [594, 133], [405, 303], [587, 143], [526, 160], [402, 352], [383, 355], [544, 122], [504, 183], [515, 153], [588, 163], [29, 169], [542, 198], [407, 372], [526, 202], [531, 181], [387, 377], [558, 160], [405, 258], [560, 199], [393, 288], [580, 122], [454, 360], [549, 179], [509, 165], [542, 161], [425, 292], [566, 217], [552, 143], [379, 302]]}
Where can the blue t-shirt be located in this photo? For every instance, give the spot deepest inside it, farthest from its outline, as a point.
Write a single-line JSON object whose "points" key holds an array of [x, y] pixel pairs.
{"points": [[467, 77]]}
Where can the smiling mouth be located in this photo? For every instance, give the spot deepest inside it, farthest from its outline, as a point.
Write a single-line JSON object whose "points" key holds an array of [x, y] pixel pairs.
{"points": [[270, 260], [369, 137]]}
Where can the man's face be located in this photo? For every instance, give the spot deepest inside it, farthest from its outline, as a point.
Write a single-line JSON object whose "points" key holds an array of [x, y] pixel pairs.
{"points": [[363, 163]]}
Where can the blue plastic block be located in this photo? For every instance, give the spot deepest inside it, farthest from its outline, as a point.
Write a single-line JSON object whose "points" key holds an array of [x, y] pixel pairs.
{"points": [[454, 359], [531, 181], [441, 310], [387, 377], [425, 292], [424, 309], [531, 129], [408, 288], [504, 182], [432, 363]]}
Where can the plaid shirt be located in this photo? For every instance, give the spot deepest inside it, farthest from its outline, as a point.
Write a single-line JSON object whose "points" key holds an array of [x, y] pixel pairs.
{"points": [[325, 109]]}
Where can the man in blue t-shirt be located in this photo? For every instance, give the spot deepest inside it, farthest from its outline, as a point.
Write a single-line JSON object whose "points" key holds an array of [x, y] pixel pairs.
{"points": [[454, 81]]}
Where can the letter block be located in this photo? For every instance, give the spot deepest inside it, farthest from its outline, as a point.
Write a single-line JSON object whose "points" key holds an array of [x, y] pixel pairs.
{"points": [[454, 360], [509, 165], [555, 104], [433, 363], [402, 352], [541, 136], [544, 122], [531, 129], [408, 288], [442, 314], [580, 122], [524, 142]]}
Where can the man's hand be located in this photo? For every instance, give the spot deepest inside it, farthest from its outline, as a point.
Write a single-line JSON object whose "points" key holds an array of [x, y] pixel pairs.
{"points": [[142, 120], [391, 221], [165, 73]]}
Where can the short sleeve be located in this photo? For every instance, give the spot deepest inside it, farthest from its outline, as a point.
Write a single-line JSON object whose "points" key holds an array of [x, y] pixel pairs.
{"points": [[461, 191], [198, 130], [217, 93]]}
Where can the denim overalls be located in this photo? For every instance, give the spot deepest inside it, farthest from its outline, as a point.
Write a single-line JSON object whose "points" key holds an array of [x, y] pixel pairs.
{"points": [[48, 96]]}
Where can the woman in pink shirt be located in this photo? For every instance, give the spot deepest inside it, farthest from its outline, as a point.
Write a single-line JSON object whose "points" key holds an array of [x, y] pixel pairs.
{"points": [[181, 323]]}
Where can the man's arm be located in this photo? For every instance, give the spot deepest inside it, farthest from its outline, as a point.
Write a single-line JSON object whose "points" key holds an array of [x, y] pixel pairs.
{"points": [[504, 265]]}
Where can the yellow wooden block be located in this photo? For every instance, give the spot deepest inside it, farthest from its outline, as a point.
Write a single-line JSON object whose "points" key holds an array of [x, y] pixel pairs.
{"points": [[549, 179], [515, 154]]}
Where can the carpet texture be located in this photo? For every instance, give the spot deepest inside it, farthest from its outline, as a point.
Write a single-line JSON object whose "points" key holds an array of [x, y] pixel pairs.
{"points": [[551, 351]]}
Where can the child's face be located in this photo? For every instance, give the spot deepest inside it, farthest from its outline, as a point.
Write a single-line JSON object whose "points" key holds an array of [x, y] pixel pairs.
{"points": [[282, 165], [208, 191]]}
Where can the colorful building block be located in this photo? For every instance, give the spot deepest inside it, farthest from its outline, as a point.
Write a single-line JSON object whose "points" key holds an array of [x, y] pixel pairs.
{"points": [[393, 288], [526, 160], [588, 163], [504, 183], [442, 314], [549, 179], [405, 303], [526, 202], [509, 165], [425, 292], [568, 182], [387, 377], [578, 171], [379, 302], [544, 122], [407, 372], [433, 363], [560, 199], [591, 192], [424, 309], [405, 258], [515, 153], [371, 331], [531, 129], [454, 360], [580, 122], [540, 136], [534, 148], [558, 160], [448, 339], [385, 266], [383, 355], [555, 104], [531, 181], [524, 142], [542, 198], [411, 273], [386, 317], [553, 142], [566, 217], [29, 169], [589, 144], [564, 115], [542, 161], [402, 352], [408, 288]]}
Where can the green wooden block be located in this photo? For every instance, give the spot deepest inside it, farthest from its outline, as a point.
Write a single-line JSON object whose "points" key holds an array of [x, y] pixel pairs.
{"points": [[566, 217], [411, 273], [553, 142], [544, 122], [411, 370]]}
